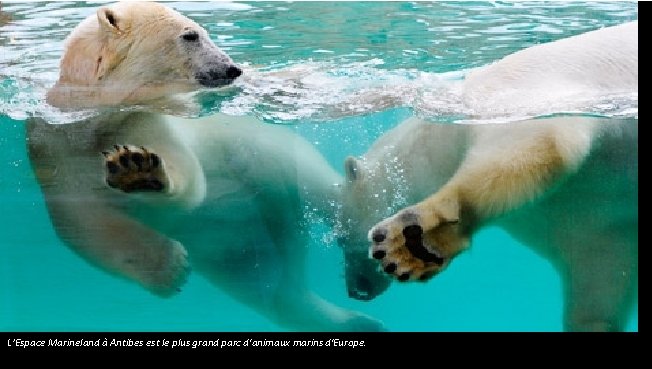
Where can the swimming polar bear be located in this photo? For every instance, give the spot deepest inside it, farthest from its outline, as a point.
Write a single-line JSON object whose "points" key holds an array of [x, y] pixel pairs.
{"points": [[567, 186], [145, 196]]}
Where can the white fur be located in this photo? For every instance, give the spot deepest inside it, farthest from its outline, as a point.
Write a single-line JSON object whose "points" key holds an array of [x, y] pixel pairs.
{"points": [[558, 73]]}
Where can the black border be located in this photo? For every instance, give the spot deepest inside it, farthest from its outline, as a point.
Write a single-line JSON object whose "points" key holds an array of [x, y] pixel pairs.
{"points": [[496, 347]]}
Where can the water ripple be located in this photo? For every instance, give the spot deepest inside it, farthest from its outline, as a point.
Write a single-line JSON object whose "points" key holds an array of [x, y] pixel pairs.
{"points": [[306, 60]]}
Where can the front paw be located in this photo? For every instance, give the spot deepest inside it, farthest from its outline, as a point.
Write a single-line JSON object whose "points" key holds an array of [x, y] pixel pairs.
{"points": [[415, 244], [135, 169], [169, 274]]}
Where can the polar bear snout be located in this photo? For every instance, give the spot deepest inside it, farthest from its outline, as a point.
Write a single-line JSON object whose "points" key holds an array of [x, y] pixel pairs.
{"points": [[363, 279], [218, 76], [360, 289], [210, 65]]}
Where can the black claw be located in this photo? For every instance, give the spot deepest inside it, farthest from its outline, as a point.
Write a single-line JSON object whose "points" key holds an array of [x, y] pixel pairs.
{"points": [[378, 254], [425, 276], [390, 268], [112, 167], [404, 277], [379, 235]]}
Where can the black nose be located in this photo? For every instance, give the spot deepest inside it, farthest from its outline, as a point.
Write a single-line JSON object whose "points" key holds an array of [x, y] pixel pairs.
{"points": [[233, 72], [218, 77], [361, 289]]}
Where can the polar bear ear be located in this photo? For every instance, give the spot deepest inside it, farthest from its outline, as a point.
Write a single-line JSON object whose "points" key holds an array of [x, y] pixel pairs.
{"points": [[352, 169], [108, 20]]}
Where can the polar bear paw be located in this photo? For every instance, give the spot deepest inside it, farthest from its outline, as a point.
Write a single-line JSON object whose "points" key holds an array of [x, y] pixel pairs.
{"points": [[167, 277], [416, 244], [135, 169]]}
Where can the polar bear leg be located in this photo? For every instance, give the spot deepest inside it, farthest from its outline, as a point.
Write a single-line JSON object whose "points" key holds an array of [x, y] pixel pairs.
{"points": [[89, 222], [600, 281], [505, 167], [305, 311], [262, 264], [265, 282], [110, 239]]}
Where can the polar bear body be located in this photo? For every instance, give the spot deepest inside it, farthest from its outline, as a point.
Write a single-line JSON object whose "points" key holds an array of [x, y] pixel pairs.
{"points": [[238, 217], [557, 73], [149, 197], [567, 186]]}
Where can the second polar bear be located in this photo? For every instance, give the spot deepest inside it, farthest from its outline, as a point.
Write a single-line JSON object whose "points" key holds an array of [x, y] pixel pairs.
{"points": [[148, 196], [566, 186]]}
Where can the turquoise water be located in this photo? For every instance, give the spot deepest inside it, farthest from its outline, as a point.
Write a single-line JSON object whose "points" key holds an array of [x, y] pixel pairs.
{"points": [[337, 50]]}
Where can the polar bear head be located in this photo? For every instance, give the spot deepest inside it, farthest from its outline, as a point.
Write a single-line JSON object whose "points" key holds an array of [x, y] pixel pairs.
{"points": [[363, 204], [134, 52]]}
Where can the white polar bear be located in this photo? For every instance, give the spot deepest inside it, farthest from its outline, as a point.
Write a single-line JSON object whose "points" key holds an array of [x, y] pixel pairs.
{"points": [[145, 195], [567, 186]]}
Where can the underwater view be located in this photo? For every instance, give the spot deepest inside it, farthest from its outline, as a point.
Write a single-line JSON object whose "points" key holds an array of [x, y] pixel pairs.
{"points": [[250, 201]]}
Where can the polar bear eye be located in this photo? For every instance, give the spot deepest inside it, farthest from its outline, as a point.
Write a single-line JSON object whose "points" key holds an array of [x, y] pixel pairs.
{"points": [[190, 36]]}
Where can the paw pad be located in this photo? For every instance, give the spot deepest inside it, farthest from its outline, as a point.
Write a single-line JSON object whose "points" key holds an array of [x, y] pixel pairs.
{"points": [[414, 242], [411, 246], [133, 169]]}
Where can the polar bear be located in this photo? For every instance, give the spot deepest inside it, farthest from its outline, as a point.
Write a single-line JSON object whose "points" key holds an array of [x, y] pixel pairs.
{"points": [[148, 196], [567, 186]]}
